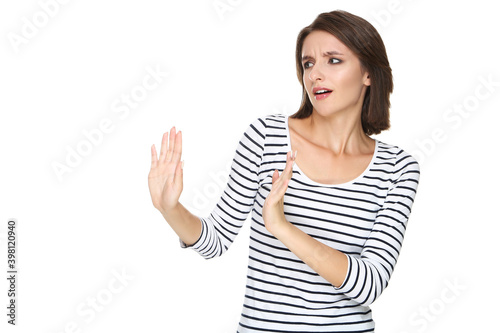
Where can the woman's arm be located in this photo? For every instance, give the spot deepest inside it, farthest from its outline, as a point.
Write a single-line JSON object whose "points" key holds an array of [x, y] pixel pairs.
{"points": [[165, 187], [331, 264], [210, 236], [362, 278]]}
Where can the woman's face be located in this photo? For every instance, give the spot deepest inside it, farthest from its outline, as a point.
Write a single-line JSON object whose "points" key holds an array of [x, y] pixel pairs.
{"points": [[333, 76]]}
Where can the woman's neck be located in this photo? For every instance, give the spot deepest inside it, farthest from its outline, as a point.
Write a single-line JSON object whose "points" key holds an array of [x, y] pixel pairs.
{"points": [[340, 133]]}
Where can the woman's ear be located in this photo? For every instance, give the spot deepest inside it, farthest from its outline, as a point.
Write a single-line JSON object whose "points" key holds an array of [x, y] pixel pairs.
{"points": [[366, 80]]}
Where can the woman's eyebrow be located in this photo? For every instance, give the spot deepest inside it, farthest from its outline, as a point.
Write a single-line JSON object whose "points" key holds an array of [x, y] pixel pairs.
{"points": [[307, 58], [326, 54], [331, 53]]}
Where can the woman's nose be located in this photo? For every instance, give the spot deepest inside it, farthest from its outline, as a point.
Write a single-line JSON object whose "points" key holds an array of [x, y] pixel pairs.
{"points": [[315, 74]]}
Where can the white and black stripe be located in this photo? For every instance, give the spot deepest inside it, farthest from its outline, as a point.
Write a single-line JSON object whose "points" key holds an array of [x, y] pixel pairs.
{"points": [[365, 219]]}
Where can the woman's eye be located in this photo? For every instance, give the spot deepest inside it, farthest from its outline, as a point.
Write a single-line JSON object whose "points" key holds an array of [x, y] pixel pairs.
{"points": [[334, 61], [307, 64]]}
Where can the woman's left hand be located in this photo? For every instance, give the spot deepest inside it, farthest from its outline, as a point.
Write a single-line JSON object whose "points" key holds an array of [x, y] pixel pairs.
{"points": [[272, 212]]}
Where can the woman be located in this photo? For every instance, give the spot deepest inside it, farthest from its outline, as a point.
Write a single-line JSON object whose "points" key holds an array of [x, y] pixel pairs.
{"points": [[326, 231]]}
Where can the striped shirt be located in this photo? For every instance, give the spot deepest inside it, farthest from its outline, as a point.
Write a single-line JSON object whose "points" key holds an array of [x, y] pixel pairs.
{"points": [[365, 219]]}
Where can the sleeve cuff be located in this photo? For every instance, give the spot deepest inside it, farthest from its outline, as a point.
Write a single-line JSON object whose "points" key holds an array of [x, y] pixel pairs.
{"points": [[348, 274], [196, 244]]}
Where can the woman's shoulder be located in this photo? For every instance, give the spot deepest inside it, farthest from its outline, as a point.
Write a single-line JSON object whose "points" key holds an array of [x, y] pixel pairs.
{"points": [[396, 159], [269, 124], [273, 120]]}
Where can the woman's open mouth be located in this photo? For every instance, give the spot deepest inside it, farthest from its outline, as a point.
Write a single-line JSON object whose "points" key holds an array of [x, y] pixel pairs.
{"points": [[321, 93]]}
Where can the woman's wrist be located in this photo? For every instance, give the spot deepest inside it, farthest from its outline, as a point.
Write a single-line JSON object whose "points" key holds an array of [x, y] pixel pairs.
{"points": [[186, 225], [170, 212], [280, 229]]}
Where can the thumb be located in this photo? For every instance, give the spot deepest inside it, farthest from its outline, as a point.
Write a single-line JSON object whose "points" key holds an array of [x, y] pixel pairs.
{"points": [[276, 175]]}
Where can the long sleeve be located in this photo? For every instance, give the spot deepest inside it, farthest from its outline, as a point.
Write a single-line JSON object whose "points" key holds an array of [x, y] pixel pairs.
{"points": [[222, 226], [368, 274]]}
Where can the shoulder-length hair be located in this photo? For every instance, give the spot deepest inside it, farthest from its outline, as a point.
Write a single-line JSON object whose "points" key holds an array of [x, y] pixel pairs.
{"points": [[365, 42]]}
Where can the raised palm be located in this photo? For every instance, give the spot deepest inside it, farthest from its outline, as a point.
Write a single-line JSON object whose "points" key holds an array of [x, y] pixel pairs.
{"points": [[165, 175]]}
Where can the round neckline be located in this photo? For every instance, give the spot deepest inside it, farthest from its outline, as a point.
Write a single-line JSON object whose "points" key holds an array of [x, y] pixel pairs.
{"points": [[309, 180]]}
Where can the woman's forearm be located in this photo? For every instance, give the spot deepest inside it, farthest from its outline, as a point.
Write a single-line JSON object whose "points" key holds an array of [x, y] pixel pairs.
{"points": [[329, 263], [186, 225]]}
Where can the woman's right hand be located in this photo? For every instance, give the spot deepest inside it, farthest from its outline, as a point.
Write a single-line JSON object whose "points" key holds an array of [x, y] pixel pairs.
{"points": [[165, 176]]}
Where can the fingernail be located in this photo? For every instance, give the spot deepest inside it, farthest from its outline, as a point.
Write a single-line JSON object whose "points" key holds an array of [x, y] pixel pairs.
{"points": [[182, 165], [295, 155]]}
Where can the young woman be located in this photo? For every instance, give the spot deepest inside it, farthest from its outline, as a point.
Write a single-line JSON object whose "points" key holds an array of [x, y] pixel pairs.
{"points": [[329, 205]]}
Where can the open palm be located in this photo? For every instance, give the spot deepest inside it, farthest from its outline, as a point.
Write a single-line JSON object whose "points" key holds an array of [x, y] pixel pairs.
{"points": [[165, 176]]}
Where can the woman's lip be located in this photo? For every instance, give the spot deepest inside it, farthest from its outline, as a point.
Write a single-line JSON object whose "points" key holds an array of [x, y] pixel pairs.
{"points": [[316, 89], [322, 96]]}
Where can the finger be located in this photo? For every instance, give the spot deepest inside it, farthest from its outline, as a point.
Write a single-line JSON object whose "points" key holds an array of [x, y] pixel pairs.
{"points": [[171, 145], [178, 148], [154, 156], [278, 178], [163, 149], [288, 171], [280, 184]]}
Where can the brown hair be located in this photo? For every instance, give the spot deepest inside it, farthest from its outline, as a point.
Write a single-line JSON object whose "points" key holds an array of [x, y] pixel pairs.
{"points": [[365, 42]]}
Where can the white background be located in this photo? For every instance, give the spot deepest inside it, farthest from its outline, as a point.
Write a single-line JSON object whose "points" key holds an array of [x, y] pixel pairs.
{"points": [[226, 67]]}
